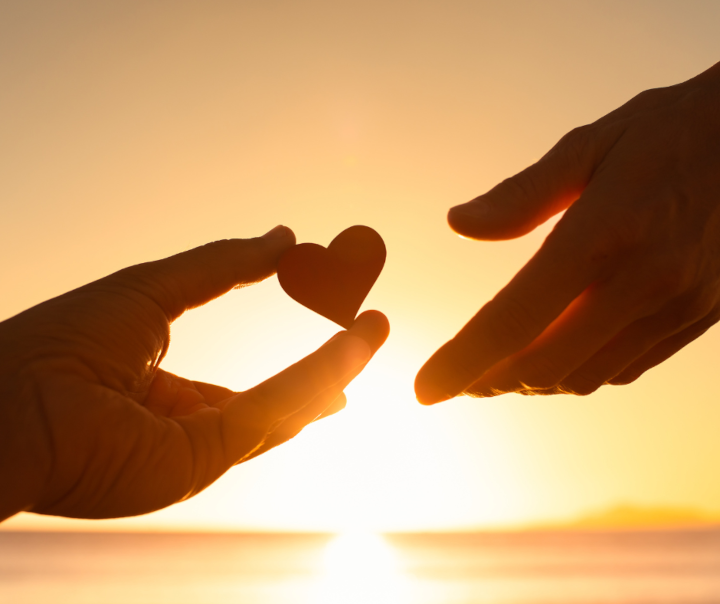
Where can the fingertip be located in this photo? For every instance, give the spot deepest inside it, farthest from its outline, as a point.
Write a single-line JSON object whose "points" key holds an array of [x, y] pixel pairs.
{"points": [[280, 233], [428, 385], [474, 220], [335, 407], [442, 377], [279, 240], [427, 392], [373, 327], [491, 216], [467, 219]]}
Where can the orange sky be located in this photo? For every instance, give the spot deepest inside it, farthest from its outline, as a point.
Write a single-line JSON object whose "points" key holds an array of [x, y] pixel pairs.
{"points": [[130, 131]]}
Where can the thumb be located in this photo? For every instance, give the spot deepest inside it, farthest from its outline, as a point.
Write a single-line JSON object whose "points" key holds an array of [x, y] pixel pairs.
{"points": [[519, 204], [192, 278]]}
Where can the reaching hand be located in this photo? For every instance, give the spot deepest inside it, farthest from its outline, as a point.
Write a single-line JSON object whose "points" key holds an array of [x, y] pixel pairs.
{"points": [[91, 428], [628, 276]]}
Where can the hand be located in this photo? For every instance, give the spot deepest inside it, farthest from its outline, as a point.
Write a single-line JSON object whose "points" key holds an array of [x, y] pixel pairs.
{"points": [[628, 276], [91, 428]]}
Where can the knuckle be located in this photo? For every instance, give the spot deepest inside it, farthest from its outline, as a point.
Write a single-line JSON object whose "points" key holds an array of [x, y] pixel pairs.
{"points": [[650, 100], [246, 259], [624, 379], [663, 282], [232, 247], [697, 306], [519, 190], [215, 246], [326, 367], [692, 308], [154, 284], [139, 274], [596, 241], [596, 238], [581, 384], [668, 281], [615, 235], [574, 145], [258, 403], [540, 372], [317, 377], [649, 96], [236, 254]]}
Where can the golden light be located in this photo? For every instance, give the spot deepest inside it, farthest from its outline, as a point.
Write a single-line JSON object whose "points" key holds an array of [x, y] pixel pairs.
{"points": [[361, 568], [222, 120]]}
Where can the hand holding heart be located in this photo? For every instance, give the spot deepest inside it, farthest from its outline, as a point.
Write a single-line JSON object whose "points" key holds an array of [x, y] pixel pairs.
{"points": [[91, 427]]}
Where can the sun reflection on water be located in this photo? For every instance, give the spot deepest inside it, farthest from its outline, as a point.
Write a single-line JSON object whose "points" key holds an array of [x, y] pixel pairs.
{"points": [[359, 568]]}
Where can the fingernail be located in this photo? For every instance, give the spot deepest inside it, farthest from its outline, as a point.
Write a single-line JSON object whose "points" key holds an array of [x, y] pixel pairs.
{"points": [[474, 209], [353, 352], [277, 233]]}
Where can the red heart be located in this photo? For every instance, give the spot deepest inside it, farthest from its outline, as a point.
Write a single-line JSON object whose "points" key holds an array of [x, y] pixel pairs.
{"points": [[334, 281]]}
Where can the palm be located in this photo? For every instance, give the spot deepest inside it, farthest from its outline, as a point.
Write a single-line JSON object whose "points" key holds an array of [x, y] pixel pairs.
{"points": [[107, 407]]}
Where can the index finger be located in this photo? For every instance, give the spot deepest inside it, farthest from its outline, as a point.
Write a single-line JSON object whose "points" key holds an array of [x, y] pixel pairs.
{"points": [[564, 266], [250, 415], [293, 388]]}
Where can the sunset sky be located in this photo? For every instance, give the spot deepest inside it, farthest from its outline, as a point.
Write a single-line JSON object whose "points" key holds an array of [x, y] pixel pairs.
{"points": [[130, 131]]}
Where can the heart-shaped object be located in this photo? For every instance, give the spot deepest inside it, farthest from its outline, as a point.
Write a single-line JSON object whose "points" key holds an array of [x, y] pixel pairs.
{"points": [[334, 281]]}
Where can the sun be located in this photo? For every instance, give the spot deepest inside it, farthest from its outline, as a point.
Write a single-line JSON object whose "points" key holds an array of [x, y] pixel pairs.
{"points": [[359, 568]]}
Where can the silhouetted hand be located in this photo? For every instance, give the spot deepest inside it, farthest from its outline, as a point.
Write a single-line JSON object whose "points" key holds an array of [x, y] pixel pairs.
{"points": [[90, 428], [628, 276]]}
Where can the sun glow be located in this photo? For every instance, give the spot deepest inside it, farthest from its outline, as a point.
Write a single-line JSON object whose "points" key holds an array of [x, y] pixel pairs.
{"points": [[361, 568], [218, 120]]}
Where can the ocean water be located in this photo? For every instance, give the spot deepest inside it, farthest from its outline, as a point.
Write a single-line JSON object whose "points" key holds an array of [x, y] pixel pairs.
{"points": [[493, 568]]}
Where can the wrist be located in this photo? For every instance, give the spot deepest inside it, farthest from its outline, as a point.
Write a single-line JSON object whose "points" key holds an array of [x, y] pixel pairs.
{"points": [[25, 452]]}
